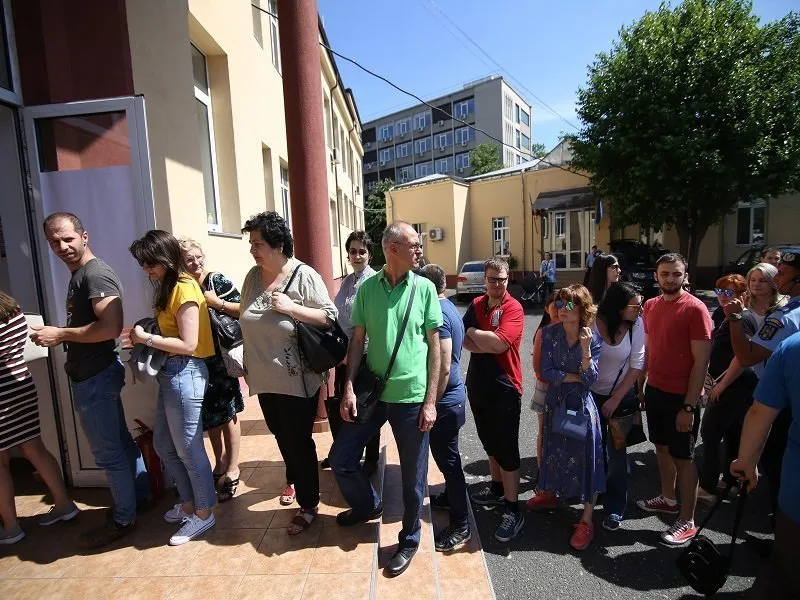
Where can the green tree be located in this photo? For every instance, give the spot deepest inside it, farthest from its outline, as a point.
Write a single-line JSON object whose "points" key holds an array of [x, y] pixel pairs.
{"points": [[538, 150], [375, 219], [485, 158], [694, 109]]}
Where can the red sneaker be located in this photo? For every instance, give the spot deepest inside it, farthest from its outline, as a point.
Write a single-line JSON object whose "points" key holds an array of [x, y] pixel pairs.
{"points": [[658, 504], [583, 536], [680, 533], [542, 501], [288, 495]]}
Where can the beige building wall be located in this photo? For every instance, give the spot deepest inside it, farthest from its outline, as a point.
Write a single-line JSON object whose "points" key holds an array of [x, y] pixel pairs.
{"points": [[248, 123], [490, 198]]}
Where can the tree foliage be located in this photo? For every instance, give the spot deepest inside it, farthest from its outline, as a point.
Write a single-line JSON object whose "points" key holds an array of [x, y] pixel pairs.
{"points": [[485, 158], [375, 219], [695, 108], [538, 150]]}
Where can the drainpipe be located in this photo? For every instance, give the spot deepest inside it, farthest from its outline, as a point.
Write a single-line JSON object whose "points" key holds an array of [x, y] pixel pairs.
{"points": [[524, 211]]}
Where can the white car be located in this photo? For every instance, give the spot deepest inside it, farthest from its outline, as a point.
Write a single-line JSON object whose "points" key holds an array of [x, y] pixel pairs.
{"points": [[470, 280]]}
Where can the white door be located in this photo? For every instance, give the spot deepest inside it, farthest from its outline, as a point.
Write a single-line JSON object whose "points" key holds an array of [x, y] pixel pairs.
{"points": [[91, 158]]}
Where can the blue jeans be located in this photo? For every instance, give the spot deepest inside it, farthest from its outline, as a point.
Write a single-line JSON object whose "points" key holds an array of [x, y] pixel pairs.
{"points": [[99, 407], [178, 431], [412, 445], [444, 448], [615, 498]]}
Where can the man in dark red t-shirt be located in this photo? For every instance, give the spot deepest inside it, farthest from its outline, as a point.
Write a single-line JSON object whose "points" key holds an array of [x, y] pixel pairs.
{"points": [[493, 325], [678, 341]]}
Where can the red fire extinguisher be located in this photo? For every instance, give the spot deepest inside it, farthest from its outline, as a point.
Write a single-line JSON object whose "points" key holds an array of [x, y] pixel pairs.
{"points": [[144, 440]]}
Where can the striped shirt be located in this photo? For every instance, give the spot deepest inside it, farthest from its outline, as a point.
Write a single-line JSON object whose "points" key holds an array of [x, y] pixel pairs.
{"points": [[19, 406]]}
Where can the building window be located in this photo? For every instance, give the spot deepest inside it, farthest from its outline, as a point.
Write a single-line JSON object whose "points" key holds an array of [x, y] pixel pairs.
{"points": [[386, 155], [350, 160], [334, 225], [205, 124], [508, 106], [516, 138], [444, 165], [285, 199], [501, 236], [422, 120], [328, 134], [525, 142], [463, 135], [421, 146], [402, 127], [335, 129], [258, 33], [273, 31], [386, 133], [751, 219], [462, 161], [342, 148], [423, 169], [545, 227], [464, 108], [525, 118], [443, 140], [405, 174], [561, 224], [516, 112], [403, 150]]}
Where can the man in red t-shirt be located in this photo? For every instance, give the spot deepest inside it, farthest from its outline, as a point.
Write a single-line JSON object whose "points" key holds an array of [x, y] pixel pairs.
{"points": [[493, 326], [678, 341]]}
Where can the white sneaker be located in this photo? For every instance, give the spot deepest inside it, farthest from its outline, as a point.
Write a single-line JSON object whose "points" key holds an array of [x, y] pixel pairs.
{"points": [[175, 514], [192, 527]]}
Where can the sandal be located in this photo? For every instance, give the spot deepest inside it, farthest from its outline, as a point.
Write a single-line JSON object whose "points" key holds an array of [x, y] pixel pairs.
{"points": [[301, 521], [217, 477], [288, 495], [228, 490]]}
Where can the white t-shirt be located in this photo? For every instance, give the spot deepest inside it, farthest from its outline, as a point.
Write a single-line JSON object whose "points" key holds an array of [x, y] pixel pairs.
{"points": [[625, 355]]}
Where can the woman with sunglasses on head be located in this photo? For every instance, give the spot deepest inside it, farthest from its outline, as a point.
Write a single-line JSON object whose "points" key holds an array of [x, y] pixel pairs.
{"points": [[619, 324], [572, 447], [185, 335], [359, 253], [762, 295], [605, 271], [731, 391]]}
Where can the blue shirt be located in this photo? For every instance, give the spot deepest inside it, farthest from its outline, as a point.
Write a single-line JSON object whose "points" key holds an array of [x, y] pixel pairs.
{"points": [[548, 270], [779, 325], [779, 388], [452, 329]]}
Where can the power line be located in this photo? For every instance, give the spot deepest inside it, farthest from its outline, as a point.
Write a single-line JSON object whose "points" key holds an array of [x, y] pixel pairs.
{"points": [[428, 104], [499, 66]]}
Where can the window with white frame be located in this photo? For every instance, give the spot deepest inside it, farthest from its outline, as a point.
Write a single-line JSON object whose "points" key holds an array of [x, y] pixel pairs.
{"points": [[328, 134], [561, 224], [403, 150], [334, 224], [386, 133], [464, 108], [462, 161], [405, 174], [524, 117], [421, 146], [386, 155], [525, 142], [402, 127], [751, 221], [208, 154], [423, 169], [273, 31], [422, 120], [255, 8], [516, 138], [350, 160], [501, 236], [443, 140], [516, 112], [286, 202], [545, 227], [463, 135], [335, 131], [444, 165]]}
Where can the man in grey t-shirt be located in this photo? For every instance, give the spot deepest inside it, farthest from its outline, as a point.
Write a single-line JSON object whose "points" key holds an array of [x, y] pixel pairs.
{"points": [[94, 321]]}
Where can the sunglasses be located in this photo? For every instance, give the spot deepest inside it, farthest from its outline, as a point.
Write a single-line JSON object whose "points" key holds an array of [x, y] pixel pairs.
{"points": [[497, 280], [636, 305], [568, 304], [721, 292]]}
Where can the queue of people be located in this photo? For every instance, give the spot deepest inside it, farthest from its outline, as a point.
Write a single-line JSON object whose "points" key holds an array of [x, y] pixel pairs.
{"points": [[600, 356]]}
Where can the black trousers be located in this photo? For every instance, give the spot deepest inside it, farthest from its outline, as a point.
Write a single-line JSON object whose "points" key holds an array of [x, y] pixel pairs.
{"points": [[291, 420], [772, 456], [722, 422], [780, 579], [373, 450]]}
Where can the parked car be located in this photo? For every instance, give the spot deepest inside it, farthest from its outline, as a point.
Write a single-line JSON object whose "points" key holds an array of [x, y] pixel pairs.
{"points": [[470, 280], [638, 262], [750, 257]]}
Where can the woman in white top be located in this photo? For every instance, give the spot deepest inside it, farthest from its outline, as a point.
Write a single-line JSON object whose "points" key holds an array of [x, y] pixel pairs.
{"points": [[619, 323], [762, 295]]}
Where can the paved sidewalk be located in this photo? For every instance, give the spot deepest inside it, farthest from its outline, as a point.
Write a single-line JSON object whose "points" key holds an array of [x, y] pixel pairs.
{"points": [[248, 554]]}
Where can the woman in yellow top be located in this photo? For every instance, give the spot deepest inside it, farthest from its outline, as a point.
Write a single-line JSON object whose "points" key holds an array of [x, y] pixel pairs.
{"points": [[182, 315]]}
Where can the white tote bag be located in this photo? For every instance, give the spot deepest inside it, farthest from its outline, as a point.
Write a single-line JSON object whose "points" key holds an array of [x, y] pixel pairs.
{"points": [[32, 351]]}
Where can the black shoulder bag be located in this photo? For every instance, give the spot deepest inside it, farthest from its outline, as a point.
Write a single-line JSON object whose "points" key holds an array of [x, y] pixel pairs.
{"points": [[321, 347], [625, 425], [226, 328], [367, 386], [702, 564]]}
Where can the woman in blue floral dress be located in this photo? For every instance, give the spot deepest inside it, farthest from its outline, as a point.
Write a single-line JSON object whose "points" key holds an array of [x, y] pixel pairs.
{"points": [[572, 461]]}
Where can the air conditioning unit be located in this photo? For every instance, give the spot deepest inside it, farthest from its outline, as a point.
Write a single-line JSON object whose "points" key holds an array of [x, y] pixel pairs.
{"points": [[442, 149], [422, 153], [421, 128], [383, 163], [441, 123], [464, 142], [358, 189], [369, 165], [402, 135], [436, 234], [368, 145], [460, 169]]}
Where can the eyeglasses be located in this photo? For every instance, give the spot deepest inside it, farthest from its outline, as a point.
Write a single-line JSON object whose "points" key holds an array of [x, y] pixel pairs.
{"points": [[497, 280], [721, 292], [357, 251], [635, 305], [568, 304], [415, 246]]}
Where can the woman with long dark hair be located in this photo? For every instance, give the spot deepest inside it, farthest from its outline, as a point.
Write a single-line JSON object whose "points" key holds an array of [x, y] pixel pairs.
{"points": [[619, 324], [185, 335], [605, 271]]}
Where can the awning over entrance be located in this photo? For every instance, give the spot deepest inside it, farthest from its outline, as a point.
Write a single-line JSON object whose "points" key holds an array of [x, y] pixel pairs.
{"points": [[565, 199]]}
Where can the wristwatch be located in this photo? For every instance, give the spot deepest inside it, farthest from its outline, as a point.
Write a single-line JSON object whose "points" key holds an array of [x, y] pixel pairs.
{"points": [[690, 408], [149, 341], [735, 317]]}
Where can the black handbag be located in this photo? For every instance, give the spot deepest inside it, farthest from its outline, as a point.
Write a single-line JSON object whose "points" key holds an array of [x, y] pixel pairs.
{"points": [[702, 564], [368, 386], [322, 348], [225, 327]]}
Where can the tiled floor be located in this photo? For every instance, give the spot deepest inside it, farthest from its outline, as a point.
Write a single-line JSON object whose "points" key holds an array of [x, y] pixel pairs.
{"points": [[248, 555]]}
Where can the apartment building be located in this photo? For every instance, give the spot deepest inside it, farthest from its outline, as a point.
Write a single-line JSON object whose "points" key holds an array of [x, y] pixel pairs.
{"points": [[142, 114], [419, 141]]}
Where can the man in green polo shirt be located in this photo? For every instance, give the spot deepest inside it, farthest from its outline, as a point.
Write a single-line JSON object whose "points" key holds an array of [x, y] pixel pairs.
{"points": [[409, 398]]}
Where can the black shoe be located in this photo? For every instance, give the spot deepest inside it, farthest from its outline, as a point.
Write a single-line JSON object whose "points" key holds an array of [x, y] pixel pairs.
{"points": [[107, 533], [325, 463], [349, 518], [441, 501], [369, 467], [400, 561], [451, 538]]}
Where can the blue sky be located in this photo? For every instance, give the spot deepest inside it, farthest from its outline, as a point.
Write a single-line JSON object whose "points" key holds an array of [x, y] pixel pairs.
{"points": [[544, 45]]}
